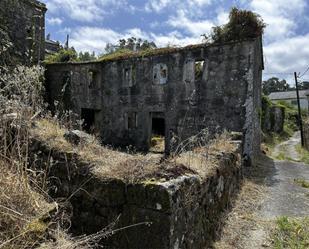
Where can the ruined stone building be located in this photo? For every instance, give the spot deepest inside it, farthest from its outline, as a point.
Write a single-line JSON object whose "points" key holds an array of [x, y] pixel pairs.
{"points": [[23, 22], [171, 92]]}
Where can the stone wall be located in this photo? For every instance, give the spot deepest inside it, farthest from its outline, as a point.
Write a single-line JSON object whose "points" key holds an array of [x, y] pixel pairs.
{"points": [[306, 134], [182, 212], [125, 95], [273, 120], [24, 23]]}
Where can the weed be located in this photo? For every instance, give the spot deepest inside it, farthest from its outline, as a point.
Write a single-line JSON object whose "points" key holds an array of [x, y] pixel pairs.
{"points": [[291, 233], [302, 182], [304, 154]]}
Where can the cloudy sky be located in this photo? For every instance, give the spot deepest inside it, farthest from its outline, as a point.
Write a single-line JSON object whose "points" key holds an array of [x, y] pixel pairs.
{"points": [[93, 23]]}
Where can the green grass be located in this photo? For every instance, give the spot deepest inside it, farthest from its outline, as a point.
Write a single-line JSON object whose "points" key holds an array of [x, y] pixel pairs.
{"points": [[302, 182], [304, 154], [291, 233]]}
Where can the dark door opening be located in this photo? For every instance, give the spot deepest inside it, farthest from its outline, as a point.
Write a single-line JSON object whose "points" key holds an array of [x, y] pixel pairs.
{"points": [[158, 126], [88, 117], [158, 135]]}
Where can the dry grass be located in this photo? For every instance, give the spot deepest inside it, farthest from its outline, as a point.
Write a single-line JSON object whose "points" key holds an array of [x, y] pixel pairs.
{"points": [[243, 219], [28, 216], [111, 163], [20, 209], [204, 159]]}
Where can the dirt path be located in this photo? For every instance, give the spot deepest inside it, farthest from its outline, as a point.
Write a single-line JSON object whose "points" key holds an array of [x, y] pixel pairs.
{"points": [[282, 197], [288, 148]]}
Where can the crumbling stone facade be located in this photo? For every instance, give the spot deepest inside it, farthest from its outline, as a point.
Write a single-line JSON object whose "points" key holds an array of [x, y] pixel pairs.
{"points": [[24, 23], [178, 92]]}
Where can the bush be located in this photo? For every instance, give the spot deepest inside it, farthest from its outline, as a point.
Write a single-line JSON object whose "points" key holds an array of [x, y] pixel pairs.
{"points": [[243, 24], [64, 55]]}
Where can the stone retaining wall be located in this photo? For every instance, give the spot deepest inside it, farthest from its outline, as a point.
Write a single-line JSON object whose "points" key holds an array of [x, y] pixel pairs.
{"points": [[306, 134], [184, 211]]}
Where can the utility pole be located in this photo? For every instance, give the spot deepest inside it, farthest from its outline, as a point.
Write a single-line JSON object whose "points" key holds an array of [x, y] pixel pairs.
{"points": [[299, 112], [67, 43]]}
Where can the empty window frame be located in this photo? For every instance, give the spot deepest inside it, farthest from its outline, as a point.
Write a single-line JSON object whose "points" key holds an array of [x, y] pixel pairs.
{"points": [[92, 78], [160, 74], [66, 81], [199, 69], [189, 71], [131, 120], [129, 76]]}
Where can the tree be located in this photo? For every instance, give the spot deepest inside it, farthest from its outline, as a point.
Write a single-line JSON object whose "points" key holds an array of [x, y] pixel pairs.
{"points": [[274, 85], [131, 44], [86, 56]]}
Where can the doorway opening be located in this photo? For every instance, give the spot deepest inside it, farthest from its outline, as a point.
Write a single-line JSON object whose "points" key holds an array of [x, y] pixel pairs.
{"points": [[89, 119], [157, 134]]}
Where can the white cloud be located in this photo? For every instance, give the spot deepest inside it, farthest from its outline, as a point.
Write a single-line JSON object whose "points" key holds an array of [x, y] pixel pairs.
{"points": [[189, 5], [157, 5], [54, 21], [86, 10], [280, 16], [195, 28], [287, 55], [222, 17]]}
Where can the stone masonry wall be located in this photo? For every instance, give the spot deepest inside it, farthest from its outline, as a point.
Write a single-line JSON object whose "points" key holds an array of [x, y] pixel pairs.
{"points": [[184, 211], [225, 94], [306, 134], [24, 22], [273, 120]]}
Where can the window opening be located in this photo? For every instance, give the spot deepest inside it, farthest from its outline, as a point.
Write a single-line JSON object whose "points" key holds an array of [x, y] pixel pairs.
{"points": [[199, 69], [132, 120]]}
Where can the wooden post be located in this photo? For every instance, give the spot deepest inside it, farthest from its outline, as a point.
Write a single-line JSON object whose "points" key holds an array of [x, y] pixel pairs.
{"points": [[299, 112]]}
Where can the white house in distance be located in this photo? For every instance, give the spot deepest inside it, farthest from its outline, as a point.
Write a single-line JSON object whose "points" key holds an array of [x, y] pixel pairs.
{"points": [[290, 97]]}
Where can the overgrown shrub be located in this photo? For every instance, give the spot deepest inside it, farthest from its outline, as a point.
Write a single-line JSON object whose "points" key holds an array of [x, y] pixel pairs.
{"points": [[243, 24], [64, 55]]}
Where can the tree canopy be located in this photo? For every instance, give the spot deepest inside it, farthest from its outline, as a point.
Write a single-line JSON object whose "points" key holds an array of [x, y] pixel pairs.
{"points": [[275, 85], [131, 44]]}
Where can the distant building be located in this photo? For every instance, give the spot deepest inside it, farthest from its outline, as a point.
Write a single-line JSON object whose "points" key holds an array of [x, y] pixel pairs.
{"points": [[51, 46], [290, 97]]}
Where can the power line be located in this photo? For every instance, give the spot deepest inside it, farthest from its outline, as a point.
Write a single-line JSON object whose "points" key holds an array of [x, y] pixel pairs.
{"points": [[303, 73]]}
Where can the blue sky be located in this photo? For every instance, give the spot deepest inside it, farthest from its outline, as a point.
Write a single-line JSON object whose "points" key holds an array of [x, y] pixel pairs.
{"points": [[93, 23]]}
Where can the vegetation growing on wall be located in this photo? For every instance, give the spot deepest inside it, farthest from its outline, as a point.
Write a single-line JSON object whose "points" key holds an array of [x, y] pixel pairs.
{"points": [[271, 138], [291, 115], [70, 55], [64, 55], [243, 24]]}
